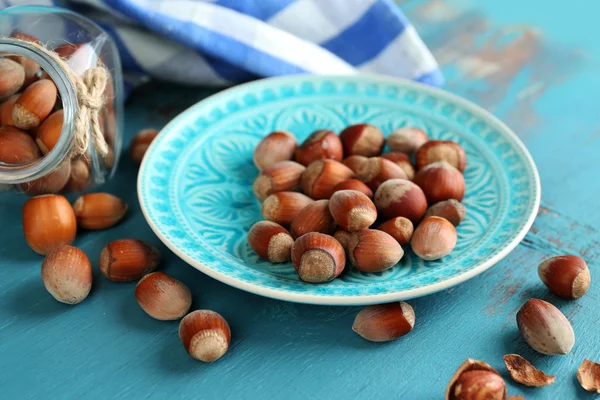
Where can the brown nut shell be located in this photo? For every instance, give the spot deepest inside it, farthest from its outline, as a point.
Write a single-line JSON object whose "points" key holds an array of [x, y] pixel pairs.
{"points": [[34, 104], [441, 150], [403, 161], [140, 143], [17, 147], [485, 384], [400, 198], [355, 162], [6, 109], [318, 258], [373, 251], [523, 372], [441, 181], [354, 184], [282, 207], [399, 228], [80, 176], [30, 67], [128, 260], [280, 177], [48, 133], [588, 375], [320, 145], [53, 182], [95, 211], [377, 170], [352, 210], [452, 210], [12, 77], [321, 177], [384, 322], [67, 274], [315, 217], [433, 238], [205, 335], [163, 297], [407, 140], [271, 241], [363, 140], [566, 276], [275, 147]]}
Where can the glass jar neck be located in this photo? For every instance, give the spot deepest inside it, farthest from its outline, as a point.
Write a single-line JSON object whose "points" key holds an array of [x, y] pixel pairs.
{"points": [[14, 174]]}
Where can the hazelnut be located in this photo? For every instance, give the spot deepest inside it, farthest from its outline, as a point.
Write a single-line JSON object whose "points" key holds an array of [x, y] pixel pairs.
{"points": [[34, 104], [452, 210], [523, 372], [6, 110], [12, 77], [378, 170], [441, 150], [163, 297], [17, 147], [30, 67], [320, 178], [441, 181], [318, 258], [280, 177], [434, 238], [343, 237], [140, 143], [545, 328], [373, 251], [403, 161], [588, 375], [399, 228], [315, 217], [67, 274], [53, 182], [400, 198], [282, 207], [320, 145], [363, 140], [407, 140], [384, 322], [277, 146], [96, 211], [566, 276], [128, 260], [476, 380], [48, 133], [80, 176], [355, 162], [352, 210], [48, 223], [270, 241], [354, 184], [205, 335]]}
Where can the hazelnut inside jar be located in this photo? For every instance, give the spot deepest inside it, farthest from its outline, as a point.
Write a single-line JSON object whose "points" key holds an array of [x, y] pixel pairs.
{"points": [[60, 102]]}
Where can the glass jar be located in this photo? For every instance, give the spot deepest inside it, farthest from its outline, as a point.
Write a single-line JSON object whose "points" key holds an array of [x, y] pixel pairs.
{"points": [[61, 129]]}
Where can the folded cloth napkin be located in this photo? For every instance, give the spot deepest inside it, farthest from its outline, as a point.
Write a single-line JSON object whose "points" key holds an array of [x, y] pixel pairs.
{"points": [[222, 42]]}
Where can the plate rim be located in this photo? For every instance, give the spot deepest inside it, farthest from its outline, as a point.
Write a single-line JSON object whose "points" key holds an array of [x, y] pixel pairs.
{"points": [[366, 298]]}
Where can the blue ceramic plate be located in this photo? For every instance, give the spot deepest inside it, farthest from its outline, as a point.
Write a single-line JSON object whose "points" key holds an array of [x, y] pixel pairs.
{"points": [[195, 184]]}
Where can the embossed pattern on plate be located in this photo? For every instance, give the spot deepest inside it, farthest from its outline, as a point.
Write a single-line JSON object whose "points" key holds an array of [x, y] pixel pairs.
{"points": [[195, 184]]}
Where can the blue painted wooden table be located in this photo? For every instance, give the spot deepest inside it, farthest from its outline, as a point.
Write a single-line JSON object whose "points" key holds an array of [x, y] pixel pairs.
{"points": [[538, 71]]}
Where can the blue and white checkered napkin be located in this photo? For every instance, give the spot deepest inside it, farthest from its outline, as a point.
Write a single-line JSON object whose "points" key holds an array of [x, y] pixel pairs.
{"points": [[220, 42]]}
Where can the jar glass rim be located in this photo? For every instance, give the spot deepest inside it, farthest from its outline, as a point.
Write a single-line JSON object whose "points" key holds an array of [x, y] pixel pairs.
{"points": [[27, 172]]}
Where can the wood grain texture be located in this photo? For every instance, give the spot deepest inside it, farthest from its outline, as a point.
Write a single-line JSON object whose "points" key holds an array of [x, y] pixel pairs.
{"points": [[537, 72]]}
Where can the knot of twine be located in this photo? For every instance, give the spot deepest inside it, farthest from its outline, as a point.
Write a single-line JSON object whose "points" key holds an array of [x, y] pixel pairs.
{"points": [[90, 97]]}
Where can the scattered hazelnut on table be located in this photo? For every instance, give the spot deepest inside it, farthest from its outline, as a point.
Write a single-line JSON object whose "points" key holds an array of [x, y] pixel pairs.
{"points": [[371, 250], [384, 322], [363, 140], [95, 211], [352, 210], [140, 143], [128, 260], [475, 380], [566, 276], [67, 274], [588, 375], [320, 145], [48, 223], [205, 335], [318, 258], [163, 297], [270, 241], [407, 140], [275, 147], [282, 207], [523, 372], [315, 217], [280, 177], [545, 328], [322, 176]]}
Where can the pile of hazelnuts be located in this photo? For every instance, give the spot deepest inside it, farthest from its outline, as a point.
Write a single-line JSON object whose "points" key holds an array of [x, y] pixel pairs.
{"points": [[342, 198]]}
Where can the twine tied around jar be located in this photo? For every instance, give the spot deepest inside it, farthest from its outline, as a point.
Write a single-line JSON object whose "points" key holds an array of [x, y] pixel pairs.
{"points": [[90, 97]]}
